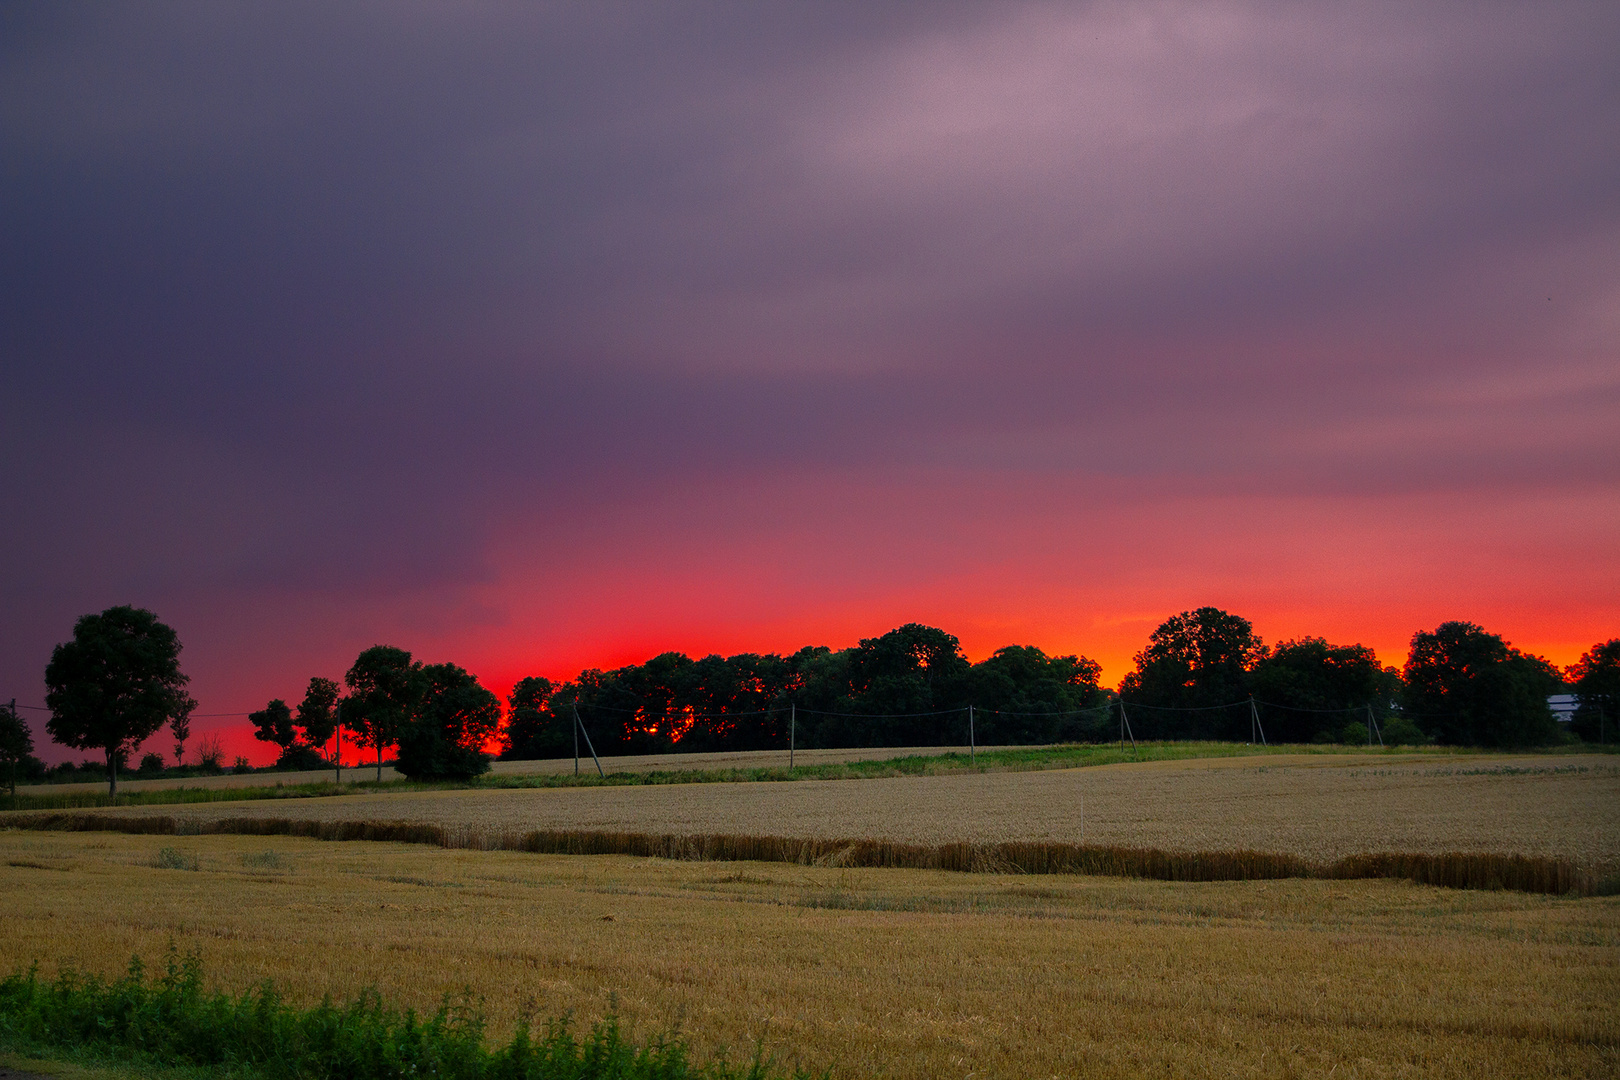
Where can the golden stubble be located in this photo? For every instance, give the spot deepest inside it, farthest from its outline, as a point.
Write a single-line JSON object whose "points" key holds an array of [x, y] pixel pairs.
{"points": [[1320, 808], [869, 972]]}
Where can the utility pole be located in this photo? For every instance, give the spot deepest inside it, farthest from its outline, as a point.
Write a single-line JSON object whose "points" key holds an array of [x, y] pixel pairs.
{"points": [[337, 745], [1125, 727], [579, 726]]}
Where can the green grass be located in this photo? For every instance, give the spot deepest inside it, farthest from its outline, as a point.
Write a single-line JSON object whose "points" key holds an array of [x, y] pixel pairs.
{"points": [[1032, 758], [168, 1021]]}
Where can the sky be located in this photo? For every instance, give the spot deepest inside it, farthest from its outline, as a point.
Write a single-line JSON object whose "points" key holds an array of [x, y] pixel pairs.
{"points": [[542, 336]]}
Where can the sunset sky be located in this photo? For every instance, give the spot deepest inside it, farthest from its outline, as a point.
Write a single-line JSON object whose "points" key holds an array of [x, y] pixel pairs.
{"points": [[543, 336]]}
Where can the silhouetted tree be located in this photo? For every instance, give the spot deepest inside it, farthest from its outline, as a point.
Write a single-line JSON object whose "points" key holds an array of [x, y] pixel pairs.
{"points": [[115, 684], [318, 713], [911, 670], [274, 724], [16, 742], [532, 729], [180, 728], [444, 736], [385, 691], [1595, 678], [1465, 686], [1022, 695], [1196, 660], [1310, 677]]}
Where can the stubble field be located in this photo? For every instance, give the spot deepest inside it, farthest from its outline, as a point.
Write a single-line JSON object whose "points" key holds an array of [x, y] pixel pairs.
{"points": [[899, 973], [1315, 807], [904, 972]]}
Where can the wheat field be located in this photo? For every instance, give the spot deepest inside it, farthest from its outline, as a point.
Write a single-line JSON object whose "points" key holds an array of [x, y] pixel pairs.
{"points": [[1316, 807], [900, 973]]}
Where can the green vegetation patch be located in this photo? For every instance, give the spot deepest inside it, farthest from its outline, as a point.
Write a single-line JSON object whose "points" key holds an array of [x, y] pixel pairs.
{"points": [[169, 1020]]}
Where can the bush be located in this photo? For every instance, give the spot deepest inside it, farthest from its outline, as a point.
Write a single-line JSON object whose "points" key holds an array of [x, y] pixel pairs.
{"points": [[151, 765], [1399, 731], [301, 758], [210, 756], [242, 766], [1355, 733]]}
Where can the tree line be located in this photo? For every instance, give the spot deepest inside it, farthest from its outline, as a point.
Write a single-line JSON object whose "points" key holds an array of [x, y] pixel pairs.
{"points": [[1204, 674]]}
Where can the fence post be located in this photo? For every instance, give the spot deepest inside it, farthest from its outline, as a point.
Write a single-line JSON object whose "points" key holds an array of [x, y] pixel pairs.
{"points": [[576, 739], [793, 733], [973, 754]]}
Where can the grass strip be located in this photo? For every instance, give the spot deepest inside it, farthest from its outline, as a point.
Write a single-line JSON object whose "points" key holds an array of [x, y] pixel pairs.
{"points": [[1453, 870], [169, 1020], [1013, 759]]}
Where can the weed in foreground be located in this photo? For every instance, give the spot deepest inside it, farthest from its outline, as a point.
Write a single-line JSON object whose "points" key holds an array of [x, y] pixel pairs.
{"points": [[170, 1020]]}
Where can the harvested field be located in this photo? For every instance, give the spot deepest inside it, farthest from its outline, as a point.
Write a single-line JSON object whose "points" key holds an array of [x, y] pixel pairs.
{"points": [[1319, 808], [752, 759], [869, 972]]}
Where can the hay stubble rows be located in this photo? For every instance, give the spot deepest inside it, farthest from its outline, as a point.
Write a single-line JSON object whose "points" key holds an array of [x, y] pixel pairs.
{"points": [[1314, 807]]}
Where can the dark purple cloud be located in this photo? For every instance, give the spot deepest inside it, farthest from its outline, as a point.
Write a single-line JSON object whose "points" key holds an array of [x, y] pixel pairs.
{"points": [[322, 304]]}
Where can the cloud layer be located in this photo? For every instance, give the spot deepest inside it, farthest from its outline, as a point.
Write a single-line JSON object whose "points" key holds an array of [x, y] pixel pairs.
{"points": [[534, 335]]}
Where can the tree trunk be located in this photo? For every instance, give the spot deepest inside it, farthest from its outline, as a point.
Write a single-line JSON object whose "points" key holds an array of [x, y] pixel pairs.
{"points": [[112, 775]]}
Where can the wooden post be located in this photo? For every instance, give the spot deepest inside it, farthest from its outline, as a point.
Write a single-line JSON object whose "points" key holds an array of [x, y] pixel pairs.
{"points": [[793, 723], [576, 739], [973, 751], [337, 745]]}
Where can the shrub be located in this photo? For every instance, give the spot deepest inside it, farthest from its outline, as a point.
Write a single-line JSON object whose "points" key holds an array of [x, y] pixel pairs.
{"points": [[1400, 731], [1354, 733], [151, 765], [242, 766], [301, 758], [174, 859], [210, 756]]}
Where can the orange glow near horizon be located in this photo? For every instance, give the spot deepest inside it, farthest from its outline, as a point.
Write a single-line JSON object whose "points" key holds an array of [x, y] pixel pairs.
{"points": [[1030, 569]]}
